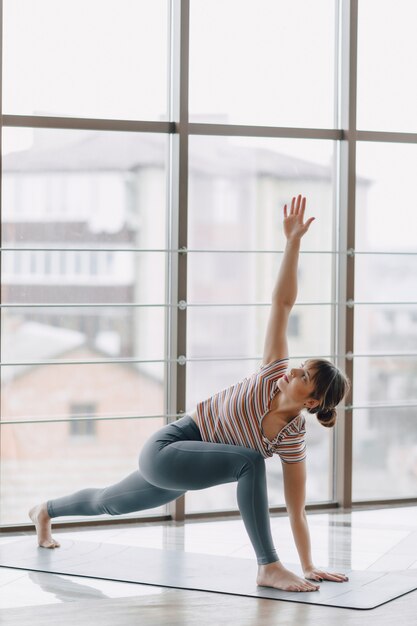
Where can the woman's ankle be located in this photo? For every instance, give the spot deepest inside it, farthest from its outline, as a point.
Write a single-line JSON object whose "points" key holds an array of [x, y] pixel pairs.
{"points": [[266, 567], [44, 510]]}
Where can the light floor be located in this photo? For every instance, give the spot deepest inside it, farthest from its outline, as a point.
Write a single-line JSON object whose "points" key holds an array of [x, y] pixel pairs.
{"points": [[380, 539]]}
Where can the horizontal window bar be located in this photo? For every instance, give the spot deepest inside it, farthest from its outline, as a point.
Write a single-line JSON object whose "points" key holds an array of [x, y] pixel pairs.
{"points": [[351, 355], [84, 419], [241, 130], [89, 362], [356, 252], [185, 305], [78, 123], [390, 303], [349, 252], [359, 505], [173, 417], [43, 249], [81, 305], [193, 128], [182, 360], [370, 135], [350, 407], [180, 305]]}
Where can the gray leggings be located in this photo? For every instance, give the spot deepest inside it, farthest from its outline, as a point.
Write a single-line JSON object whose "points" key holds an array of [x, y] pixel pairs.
{"points": [[172, 461]]}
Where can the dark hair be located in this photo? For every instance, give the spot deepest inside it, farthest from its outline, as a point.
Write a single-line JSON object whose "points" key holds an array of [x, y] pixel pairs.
{"points": [[331, 386]]}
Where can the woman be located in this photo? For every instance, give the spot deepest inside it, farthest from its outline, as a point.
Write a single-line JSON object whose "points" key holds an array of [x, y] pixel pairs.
{"points": [[227, 438]]}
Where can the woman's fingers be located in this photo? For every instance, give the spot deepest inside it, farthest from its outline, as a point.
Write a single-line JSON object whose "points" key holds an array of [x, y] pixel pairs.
{"points": [[303, 208], [297, 205], [335, 577], [285, 210]]}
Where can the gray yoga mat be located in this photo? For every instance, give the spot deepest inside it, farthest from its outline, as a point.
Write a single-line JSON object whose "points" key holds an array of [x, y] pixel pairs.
{"points": [[202, 572]]}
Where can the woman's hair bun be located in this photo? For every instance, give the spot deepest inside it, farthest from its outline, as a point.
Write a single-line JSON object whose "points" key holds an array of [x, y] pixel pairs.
{"points": [[327, 417]]}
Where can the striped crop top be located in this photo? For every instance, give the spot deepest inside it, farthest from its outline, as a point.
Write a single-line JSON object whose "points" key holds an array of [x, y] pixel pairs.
{"points": [[234, 416]]}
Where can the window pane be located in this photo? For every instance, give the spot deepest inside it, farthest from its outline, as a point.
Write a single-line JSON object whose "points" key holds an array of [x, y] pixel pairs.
{"points": [[386, 216], [387, 61], [43, 334], [62, 391], [385, 278], [45, 461], [385, 222], [101, 58], [101, 191], [264, 63], [103, 194], [384, 453], [240, 332], [107, 189], [237, 189], [387, 380], [386, 328], [239, 185]]}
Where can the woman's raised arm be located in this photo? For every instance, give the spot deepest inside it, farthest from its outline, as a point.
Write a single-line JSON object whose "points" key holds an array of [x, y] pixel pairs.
{"points": [[284, 293]]}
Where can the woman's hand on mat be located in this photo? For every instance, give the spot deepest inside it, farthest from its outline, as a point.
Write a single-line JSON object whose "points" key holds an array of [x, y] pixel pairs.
{"points": [[294, 226], [316, 573]]}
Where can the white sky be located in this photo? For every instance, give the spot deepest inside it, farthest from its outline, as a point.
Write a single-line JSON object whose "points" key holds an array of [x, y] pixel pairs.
{"points": [[265, 62]]}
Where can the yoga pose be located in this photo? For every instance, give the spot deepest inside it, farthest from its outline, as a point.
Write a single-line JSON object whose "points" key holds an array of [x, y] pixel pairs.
{"points": [[228, 437]]}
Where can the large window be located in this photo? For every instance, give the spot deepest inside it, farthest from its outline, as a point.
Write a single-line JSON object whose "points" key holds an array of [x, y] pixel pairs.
{"points": [[385, 381], [147, 149]]}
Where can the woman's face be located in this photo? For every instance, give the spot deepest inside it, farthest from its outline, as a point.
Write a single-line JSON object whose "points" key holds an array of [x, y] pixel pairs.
{"points": [[297, 385]]}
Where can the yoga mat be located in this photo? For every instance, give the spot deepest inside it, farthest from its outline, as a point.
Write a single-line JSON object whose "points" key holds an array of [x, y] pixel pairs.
{"points": [[200, 572]]}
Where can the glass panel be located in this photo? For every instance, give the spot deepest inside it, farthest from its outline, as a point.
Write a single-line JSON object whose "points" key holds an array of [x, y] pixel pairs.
{"points": [[386, 328], [236, 196], [387, 58], [101, 58], [384, 453], [239, 185], [265, 77], [77, 276], [240, 332], [102, 389], [386, 219], [60, 334], [385, 278], [46, 461], [389, 380], [384, 438], [70, 188]]}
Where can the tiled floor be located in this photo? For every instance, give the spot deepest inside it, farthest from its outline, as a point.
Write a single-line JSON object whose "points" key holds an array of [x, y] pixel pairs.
{"points": [[380, 539]]}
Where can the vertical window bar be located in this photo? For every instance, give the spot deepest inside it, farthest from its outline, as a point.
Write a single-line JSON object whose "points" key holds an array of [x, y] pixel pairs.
{"points": [[346, 229], [334, 319], [178, 205], [1, 205]]}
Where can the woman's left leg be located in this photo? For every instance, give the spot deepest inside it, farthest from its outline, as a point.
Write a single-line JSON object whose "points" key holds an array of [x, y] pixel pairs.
{"points": [[170, 460], [130, 494]]}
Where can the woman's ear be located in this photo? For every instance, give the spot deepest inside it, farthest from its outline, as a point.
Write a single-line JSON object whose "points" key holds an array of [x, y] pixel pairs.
{"points": [[312, 403]]}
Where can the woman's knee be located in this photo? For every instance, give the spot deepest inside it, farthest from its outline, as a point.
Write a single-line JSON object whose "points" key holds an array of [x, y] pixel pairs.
{"points": [[150, 463], [103, 503], [255, 462]]}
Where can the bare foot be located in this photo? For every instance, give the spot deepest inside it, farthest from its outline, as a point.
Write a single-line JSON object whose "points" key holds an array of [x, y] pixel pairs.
{"points": [[277, 576], [40, 517]]}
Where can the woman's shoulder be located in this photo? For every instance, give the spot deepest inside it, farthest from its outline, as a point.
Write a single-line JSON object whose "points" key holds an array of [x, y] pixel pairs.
{"points": [[278, 366]]}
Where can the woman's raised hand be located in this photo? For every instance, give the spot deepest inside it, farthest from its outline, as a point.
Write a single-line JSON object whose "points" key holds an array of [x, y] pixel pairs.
{"points": [[294, 226]]}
